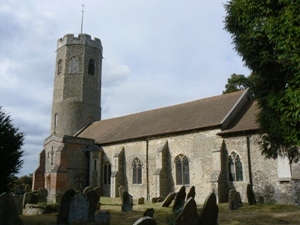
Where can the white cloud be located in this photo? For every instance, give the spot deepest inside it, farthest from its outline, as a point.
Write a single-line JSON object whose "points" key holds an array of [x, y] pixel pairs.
{"points": [[157, 53]]}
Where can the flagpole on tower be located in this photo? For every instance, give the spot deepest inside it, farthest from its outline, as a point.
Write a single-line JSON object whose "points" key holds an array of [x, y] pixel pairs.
{"points": [[82, 11]]}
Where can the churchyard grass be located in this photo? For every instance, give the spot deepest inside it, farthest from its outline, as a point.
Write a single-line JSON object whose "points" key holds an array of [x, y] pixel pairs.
{"points": [[251, 215]]}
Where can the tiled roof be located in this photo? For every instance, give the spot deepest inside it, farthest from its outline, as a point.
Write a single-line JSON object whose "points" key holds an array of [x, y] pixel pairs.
{"points": [[199, 114], [244, 121]]}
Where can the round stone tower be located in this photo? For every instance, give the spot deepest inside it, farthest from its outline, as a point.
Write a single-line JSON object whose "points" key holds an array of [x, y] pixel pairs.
{"points": [[77, 84]]}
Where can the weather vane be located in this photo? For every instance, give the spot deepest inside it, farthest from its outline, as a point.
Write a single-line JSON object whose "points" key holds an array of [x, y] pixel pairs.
{"points": [[82, 11]]}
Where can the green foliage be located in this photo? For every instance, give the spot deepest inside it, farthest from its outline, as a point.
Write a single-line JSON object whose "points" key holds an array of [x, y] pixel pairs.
{"points": [[236, 82], [11, 141], [266, 34]]}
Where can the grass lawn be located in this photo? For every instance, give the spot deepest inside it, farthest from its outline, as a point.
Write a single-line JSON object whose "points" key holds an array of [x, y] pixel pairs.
{"points": [[251, 215]]}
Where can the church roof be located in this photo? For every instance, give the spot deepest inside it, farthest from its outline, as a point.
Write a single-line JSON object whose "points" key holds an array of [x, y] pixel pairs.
{"points": [[195, 115]]}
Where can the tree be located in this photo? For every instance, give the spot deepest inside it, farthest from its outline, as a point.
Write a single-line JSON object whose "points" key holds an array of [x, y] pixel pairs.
{"points": [[266, 34], [236, 82], [11, 153]]}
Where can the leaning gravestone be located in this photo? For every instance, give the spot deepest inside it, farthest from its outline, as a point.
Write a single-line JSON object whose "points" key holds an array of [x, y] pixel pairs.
{"points": [[209, 214], [168, 200], [79, 210], [149, 212], [250, 195], [188, 214], [192, 193], [93, 200], [63, 215], [9, 214], [145, 221], [179, 199], [127, 202]]}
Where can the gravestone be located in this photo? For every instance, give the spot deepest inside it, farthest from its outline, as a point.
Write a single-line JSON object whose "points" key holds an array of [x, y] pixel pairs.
{"points": [[233, 200], [168, 200], [93, 200], [79, 210], [127, 202], [192, 193], [141, 201], [102, 218], [261, 200], [9, 213], [87, 189], [98, 191], [145, 221], [179, 199], [188, 214], [63, 215], [19, 189], [121, 189], [43, 193], [250, 195], [149, 212], [209, 214]]}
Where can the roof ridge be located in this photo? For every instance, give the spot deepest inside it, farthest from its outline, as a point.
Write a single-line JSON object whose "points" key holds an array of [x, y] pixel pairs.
{"points": [[165, 107]]}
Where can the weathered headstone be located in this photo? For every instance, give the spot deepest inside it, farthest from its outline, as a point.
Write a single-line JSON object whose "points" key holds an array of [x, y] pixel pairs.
{"points": [[149, 212], [43, 193], [63, 215], [79, 210], [93, 200], [121, 190], [145, 221], [209, 214], [98, 191], [87, 189], [19, 189], [179, 199], [127, 202], [102, 218], [188, 214], [141, 201], [250, 195], [168, 200], [233, 200], [9, 213], [192, 193]]}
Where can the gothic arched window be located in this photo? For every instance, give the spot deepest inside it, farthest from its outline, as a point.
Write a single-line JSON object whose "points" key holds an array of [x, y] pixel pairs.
{"points": [[59, 66], [136, 171], [106, 173], [235, 167], [182, 170], [91, 68]]}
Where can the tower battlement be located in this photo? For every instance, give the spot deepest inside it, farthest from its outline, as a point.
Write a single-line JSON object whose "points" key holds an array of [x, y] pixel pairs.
{"points": [[82, 39]]}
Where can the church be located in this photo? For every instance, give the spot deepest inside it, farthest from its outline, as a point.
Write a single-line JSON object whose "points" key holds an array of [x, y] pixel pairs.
{"points": [[211, 144]]}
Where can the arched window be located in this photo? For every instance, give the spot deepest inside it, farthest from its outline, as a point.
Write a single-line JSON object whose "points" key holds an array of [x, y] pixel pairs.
{"points": [[59, 66], [106, 173], [136, 171], [55, 120], [74, 65], [91, 68], [182, 170], [235, 167]]}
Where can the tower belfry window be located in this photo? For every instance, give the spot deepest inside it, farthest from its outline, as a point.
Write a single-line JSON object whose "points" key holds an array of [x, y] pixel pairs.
{"points": [[91, 68]]}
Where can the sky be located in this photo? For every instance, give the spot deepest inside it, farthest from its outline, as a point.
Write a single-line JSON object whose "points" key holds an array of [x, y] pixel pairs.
{"points": [[157, 53]]}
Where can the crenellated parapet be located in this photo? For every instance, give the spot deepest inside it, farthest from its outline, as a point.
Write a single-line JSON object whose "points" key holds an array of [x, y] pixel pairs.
{"points": [[82, 39]]}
